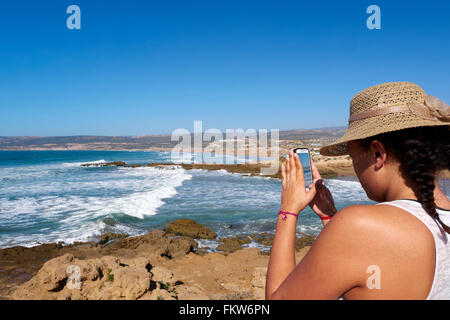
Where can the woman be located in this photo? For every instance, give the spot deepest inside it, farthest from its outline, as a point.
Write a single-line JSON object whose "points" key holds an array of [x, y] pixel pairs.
{"points": [[398, 139]]}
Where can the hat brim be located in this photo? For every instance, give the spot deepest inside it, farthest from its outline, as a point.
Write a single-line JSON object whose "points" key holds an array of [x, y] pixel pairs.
{"points": [[367, 128]]}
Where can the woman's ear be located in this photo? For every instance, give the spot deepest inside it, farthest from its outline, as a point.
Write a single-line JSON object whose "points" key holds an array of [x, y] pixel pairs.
{"points": [[379, 154]]}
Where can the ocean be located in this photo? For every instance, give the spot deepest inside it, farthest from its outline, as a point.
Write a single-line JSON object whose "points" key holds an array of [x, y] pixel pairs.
{"points": [[46, 196]]}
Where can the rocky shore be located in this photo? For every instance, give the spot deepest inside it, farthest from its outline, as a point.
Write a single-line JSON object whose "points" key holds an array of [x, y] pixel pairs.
{"points": [[327, 168], [162, 264]]}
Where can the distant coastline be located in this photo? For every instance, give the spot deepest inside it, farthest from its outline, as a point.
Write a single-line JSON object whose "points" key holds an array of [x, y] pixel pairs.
{"points": [[311, 137]]}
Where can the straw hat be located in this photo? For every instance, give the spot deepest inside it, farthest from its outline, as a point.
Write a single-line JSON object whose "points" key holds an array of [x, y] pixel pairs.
{"points": [[389, 107]]}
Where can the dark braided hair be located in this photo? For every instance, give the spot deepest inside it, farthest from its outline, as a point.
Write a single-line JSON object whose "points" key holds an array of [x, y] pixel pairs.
{"points": [[422, 152]]}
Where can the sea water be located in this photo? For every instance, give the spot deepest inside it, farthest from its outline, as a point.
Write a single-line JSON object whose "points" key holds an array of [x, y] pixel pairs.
{"points": [[47, 196]]}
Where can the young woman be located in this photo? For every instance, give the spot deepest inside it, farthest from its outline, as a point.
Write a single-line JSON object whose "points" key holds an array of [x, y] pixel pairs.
{"points": [[398, 138]]}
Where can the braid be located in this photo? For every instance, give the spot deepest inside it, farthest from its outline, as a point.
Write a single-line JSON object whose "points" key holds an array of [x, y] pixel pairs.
{"points": [[422, 152], [420, 163]]}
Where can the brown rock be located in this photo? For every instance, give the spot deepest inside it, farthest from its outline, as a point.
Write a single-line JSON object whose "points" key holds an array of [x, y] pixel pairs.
{"points": [[105, 238], [266, 239], [133, 165], [114, 163], [191, 293], [161, 274], [229, 245], [99, 279], [189, 228], [258, 283], [179, 247], [305, 240]]}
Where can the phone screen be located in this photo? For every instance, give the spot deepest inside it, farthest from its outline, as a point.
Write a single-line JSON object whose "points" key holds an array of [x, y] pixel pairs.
{"points": [[303, 154]]}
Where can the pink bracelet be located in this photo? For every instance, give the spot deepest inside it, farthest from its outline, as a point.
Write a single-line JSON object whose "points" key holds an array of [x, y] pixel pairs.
{"points": [[284, 213]]}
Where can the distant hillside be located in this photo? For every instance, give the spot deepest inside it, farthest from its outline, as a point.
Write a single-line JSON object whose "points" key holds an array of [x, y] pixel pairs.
{"points": [[308, 134], [321, 136]]}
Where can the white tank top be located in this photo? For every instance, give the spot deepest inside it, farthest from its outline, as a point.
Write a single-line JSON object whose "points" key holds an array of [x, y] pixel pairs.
{"points": [[441, 283]]}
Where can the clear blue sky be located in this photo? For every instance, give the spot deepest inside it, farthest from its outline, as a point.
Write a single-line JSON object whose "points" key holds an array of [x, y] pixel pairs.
{"points": [[148, 67]]}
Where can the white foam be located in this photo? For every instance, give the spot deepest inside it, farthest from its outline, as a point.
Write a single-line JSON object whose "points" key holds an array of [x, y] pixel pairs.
{"points": [[141, 192], [77, 164], [346, 190]]}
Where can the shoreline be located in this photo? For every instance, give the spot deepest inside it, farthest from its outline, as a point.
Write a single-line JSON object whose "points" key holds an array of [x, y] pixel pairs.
{"points": [[161, 264], [158, 257], [331, 169]]}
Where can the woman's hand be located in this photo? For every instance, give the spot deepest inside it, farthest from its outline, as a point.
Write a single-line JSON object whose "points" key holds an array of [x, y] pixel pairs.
{"points": [[294, 197], [322, 204]]}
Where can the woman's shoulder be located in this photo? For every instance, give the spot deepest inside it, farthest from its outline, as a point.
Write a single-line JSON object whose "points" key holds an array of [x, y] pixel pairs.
{"points": [[382, 229], [384, 236], [381, 221]]}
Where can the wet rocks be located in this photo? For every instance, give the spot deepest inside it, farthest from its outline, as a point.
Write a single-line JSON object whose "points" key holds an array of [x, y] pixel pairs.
{"points": [[105, 164], [232, 244], [107, 237], [108, 164], [158, 243]]}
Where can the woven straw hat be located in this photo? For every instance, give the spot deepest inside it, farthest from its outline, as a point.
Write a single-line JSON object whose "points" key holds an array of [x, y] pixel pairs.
{"points": [[389, 107]]}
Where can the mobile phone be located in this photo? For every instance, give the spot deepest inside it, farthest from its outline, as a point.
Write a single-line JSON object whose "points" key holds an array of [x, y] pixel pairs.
{"points": [[305, 159]]}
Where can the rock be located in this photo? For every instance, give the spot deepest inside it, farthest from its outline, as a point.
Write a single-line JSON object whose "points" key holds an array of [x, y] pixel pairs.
{"points": [[244, 239], [304, 241], [159, 294], [191, 293], [133, 165], [179, 247], [190, 228], [106, 164], [105, 238], [233, 243], [161, 274], [266, 239], [229, 245], [130, 280], [258, 283], [98, 279], [109, 221], [263, 238], [155, 238], [158, 243], [56, 275]]}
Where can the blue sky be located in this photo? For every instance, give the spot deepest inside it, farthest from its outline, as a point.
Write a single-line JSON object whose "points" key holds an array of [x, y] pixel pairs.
{"points": [[149, 67]]}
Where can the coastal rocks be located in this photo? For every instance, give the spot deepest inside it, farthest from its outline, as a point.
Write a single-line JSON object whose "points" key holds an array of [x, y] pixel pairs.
{"points": [[108, 164], [232, 244], [155, 266], [258, 282], [106, 278], [265, 239], [305, 240], [328, 167], [302, 240], [106, 237], [191, 293], [157, 243], [121, 269], [105, 164], [181, 246], [190, 228]]}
